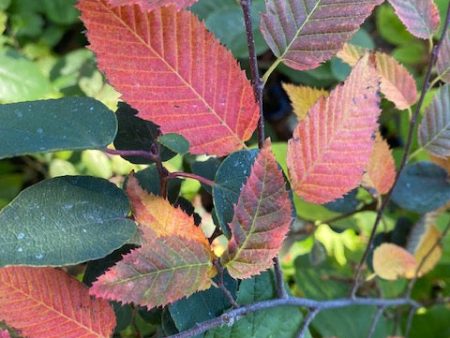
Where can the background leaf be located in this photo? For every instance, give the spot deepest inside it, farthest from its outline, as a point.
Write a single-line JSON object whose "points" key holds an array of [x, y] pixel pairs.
{"points": [[52, 304], [443, 60], [331, 147], [149, 5], [52, 125], [303, 98], [304, 34], [391, 261], [161, 80], [64, 221]]}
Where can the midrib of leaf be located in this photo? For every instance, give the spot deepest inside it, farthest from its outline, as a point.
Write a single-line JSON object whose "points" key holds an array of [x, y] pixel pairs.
{"points": [[211, 109], [436, 136], [52, 309]]}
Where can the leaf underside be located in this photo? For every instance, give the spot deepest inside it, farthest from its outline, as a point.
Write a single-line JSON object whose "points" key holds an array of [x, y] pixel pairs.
{"points": [[47, 303], [261, 220], [332, 145], [149, 5], [174, 72], [304, 34], [434, 130]]}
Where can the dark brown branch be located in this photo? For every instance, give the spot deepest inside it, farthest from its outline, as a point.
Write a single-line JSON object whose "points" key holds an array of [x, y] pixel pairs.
{"points": [[232, 316], [201, 179], [412, 128]]}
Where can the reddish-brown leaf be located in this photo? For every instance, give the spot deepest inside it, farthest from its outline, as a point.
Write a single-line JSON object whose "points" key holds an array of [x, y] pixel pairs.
{"points": [[421, 17], [303, 34], [162, 271], [150, 5], [174, 72], [45, 302], [158, 214], [332, 145], [380, 172], [261, 220]]}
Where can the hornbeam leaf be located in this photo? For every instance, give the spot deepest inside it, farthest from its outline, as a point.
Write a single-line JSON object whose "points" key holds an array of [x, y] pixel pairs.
{"points": [[391, 261], [160, 272], [434, 130], [175, 73], [303, 98], [45, 302], [158, 214], [4, 334], [305, 33], [443, 60], [149, 5], [351, 54], [421, 17], [332, 145], [261, 220], [380, 172]]}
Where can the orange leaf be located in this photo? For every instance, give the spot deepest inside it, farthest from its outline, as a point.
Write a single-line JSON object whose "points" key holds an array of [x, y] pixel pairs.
{"points": [[150, 5], [442, 162], [391, 261], [175, 73], [158, 214], [380, 172], [160, 272], [397, 84], [45, 302], [303, 98], [261, 219], [332, 145]]}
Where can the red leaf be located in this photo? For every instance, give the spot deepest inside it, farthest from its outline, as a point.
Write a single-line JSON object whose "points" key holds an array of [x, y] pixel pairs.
{"points": [[45, 302], [169, 67], [332, 145], [162, 271], [4, 334], [150, 5], [261, 220], [303, 34], [421, 17]]}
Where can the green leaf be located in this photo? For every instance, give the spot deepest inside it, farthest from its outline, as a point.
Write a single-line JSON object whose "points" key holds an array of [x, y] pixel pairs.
{"points": [[391, 28], [422, 187], [64, 221], [176, 143], [51, 125], [4, 4], [61, 12], [97, 163], [21, 80], [206, 169], [278, 322], [230, 177], [345, 204]]}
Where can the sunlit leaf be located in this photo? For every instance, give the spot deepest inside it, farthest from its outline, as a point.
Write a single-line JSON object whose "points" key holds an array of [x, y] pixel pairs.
{"points": [[303, 98], [421, 17], [187, 82], [45, 302], [261, 220], [351, 54], [332, 145], [150, 5], [391, 262], [434, 130], [303, 34]]}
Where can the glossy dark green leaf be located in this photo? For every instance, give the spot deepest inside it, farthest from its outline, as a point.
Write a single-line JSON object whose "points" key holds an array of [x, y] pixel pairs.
{"points": [[206, 169], [51, 125], [136, 134], [174, 142], [278, 322], [64, 221], [431, 323], [422, 187], [345, 204], [230, 177], [61, 11]]}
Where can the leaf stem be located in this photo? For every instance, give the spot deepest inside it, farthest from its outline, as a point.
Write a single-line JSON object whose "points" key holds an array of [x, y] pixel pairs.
{"points": [[141, 153], [412, 126], [199, 178], [269, 71]]}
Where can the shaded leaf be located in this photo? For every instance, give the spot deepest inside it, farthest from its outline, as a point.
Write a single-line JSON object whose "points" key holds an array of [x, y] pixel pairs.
{"points": [[176, 143], [421, 17], [149, 5], [160, 78], [51, 125], [397, 84], [380, 171], [422, 187], [303, 98], [159, 215], [434, 130], [52, 304], [332, 146], [261, 220], [303, 34], [149, 180], [391, 262], [206, 169], [162, 271], [63, 221], [443, 60], [345, 204]]}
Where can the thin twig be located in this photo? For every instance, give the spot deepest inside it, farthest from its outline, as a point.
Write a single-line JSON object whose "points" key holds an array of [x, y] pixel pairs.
{"points": [[412, 128], [376, 319], [222, 286], [230, 317], [201, 179], [411, 314], [281, 289], [307, 321]]}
